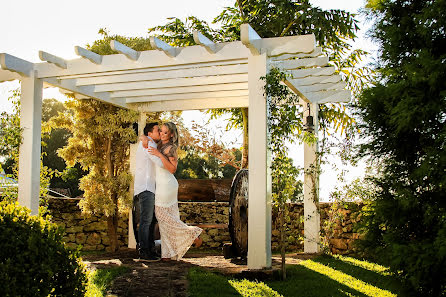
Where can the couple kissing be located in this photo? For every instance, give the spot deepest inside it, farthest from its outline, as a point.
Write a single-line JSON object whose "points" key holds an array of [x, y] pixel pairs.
{"points": [[157, 191]]}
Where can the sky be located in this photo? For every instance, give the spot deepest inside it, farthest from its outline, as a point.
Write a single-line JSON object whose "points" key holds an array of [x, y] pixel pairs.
{"points": [[27, 26]]}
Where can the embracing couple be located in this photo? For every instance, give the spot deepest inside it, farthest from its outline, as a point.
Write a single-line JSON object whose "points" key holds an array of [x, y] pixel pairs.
{"points": [[157, 190]]}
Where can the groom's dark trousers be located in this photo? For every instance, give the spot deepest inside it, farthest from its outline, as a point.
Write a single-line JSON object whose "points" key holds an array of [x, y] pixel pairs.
{"points": [[146, 221]]}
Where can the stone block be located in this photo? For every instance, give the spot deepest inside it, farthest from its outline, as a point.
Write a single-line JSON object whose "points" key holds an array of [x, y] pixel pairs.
{"points": [[81, 238], [88, 247], [93, 239], [74, 229], [96, 226], [71, 245], [205, 237], [213, 232]]}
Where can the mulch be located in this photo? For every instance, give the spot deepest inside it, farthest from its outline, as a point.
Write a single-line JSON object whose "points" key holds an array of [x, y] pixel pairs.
{"points": [[170, 278]]}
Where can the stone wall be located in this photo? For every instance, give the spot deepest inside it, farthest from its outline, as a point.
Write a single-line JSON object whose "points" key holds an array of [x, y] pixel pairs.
{"points": [[91, 231]]}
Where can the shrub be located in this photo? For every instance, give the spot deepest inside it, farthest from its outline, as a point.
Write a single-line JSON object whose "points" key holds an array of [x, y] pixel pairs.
{"points": [[33, 259]]}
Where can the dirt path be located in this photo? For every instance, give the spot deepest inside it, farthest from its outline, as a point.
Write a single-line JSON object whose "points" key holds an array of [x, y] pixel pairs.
{"points": [[168, 279]]}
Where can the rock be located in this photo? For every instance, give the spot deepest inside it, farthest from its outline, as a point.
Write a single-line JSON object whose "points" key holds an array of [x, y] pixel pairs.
{"points": [[71, 245], [205, 237], [74, 229], [96, 226], [81, 238], [88, 247], [213, 232], [93, 239]]}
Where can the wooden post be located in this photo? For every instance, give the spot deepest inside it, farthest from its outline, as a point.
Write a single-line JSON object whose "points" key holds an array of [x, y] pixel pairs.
{"points": [[29, 153], [133, 148], [311, 191], [259, 209]]}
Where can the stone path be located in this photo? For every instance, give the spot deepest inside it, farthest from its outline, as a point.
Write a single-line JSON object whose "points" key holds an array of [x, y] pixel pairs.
{"points": [[169, 279]]}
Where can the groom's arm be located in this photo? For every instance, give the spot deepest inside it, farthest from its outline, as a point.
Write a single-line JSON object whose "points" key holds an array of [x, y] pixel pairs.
{"points": [[156, 160]]}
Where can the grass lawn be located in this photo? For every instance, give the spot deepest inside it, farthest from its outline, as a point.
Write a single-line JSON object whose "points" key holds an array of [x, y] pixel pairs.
{"points": [[322, 276], [100, 279]]}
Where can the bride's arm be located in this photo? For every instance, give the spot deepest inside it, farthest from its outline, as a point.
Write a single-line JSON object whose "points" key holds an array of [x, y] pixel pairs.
{"points": [[170, 163]]}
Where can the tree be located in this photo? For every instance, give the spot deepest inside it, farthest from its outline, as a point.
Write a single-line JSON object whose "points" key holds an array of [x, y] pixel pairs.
{"points": [[404, 122], [100, 143], [334, 29], [53, 139]]}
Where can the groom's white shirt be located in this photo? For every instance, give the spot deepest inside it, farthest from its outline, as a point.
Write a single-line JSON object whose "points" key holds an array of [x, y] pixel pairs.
{"points": [[145, 173]]}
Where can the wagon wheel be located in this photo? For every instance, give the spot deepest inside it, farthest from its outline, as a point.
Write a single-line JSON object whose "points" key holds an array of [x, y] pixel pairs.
{"points": [[238, 213]]}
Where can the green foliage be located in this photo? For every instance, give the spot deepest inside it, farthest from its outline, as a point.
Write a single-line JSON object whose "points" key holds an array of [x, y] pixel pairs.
{"points": [[102, 46], [10, 134], [195, 165], [53, 139], [101, 279], [33, 258], [404, 121]]}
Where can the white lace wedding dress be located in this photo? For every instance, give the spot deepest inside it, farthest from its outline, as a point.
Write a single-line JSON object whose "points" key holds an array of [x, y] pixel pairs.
{"points": [[176, 236]]}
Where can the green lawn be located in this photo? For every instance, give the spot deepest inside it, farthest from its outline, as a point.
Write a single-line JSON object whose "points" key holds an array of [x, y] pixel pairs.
{"points": [[322, 276]]}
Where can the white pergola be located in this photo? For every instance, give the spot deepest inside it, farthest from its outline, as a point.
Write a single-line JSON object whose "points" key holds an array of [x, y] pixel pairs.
{"points": [[208, 75]]}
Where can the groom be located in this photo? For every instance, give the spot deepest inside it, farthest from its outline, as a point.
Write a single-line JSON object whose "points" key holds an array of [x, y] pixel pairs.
{"points": [[144, 189]]}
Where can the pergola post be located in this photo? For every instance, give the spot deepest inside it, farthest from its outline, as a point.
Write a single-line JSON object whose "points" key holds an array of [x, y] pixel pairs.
{"points": [[29, 154], [259, 218], [311, 191], [133, 147]]}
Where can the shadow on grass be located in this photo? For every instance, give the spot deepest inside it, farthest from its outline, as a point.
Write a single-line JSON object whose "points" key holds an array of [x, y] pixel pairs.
{"points": [[370, 273], [204, 284], [302, 281], [322, 276]]}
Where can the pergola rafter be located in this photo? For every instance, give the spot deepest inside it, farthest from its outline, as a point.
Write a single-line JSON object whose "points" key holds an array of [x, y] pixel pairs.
{"points": [[208, 75]]}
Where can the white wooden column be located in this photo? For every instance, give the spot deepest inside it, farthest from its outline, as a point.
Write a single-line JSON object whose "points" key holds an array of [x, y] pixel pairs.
{"points": [[259, 211], [133, 148], [29, 153], [311, 187]]}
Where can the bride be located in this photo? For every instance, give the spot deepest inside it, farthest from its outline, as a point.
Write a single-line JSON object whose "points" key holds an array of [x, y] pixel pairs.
{"points": [[176, 236]]}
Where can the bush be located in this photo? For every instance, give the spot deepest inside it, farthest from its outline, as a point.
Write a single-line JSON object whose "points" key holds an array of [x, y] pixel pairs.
{"points": [[33, 259]]}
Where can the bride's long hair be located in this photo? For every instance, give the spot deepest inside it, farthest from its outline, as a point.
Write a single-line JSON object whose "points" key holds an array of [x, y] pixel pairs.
{"points": [[173, 129]]}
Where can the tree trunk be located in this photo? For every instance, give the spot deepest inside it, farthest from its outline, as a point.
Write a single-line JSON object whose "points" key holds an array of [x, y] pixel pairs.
{"points": [[282, 239], [245, 138], [112, 226], [112, 221]]}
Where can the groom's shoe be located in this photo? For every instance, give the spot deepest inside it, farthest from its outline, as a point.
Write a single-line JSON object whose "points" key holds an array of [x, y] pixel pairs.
{"points": [[145, 256]]}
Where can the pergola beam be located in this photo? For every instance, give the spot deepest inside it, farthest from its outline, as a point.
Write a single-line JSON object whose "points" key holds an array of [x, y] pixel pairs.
{"points": [[93, 57], [59, 62], [12, 63], [181, 90], [169, 74], [158, 44], [301, 63], [204, 41], [187, 57], [168, 83], [87, 91], [6, 75], [203, 96], [192, 104], [250, 39], [125, 50]]}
